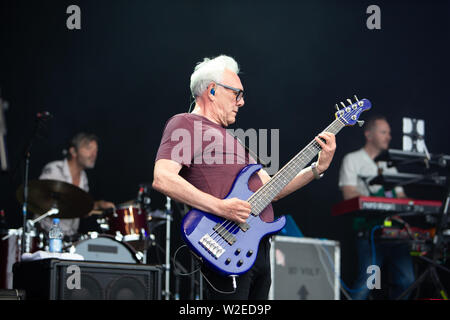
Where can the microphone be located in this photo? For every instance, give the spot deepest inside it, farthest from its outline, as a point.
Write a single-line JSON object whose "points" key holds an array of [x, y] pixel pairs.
{"points": [[139, 196], [45, 115], [142, 197]]}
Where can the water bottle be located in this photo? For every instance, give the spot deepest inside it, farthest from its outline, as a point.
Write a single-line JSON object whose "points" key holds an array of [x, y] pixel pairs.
{"points": [[56, 235]]}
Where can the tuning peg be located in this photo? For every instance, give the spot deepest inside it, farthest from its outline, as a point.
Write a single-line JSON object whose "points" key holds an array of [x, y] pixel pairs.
{"points": [[337, 107], [343, 104], [349, 101], [360, 123], [356, 98]]}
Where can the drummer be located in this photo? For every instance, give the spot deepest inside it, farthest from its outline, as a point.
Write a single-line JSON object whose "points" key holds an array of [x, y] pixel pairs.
{"points": [[81, 155]]}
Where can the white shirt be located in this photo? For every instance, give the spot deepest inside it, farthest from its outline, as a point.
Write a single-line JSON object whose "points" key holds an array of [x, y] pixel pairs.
{"points": [[358, 165], [59, 170]]}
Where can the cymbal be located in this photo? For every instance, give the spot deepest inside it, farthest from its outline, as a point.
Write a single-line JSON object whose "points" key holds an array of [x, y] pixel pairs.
{"points": [[44, 195]]}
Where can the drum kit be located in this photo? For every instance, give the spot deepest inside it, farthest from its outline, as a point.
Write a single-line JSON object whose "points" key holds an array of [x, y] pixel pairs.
{"points": [[124, 235]]}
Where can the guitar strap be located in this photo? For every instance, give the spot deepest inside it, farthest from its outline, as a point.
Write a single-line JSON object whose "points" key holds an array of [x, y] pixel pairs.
{"points": [[250, 152]]}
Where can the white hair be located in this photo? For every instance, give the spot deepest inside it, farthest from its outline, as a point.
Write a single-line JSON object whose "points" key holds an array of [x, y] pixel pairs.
{"points": [[211, 70]]}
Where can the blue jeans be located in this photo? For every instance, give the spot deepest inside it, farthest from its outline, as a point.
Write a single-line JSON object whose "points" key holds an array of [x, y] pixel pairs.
{"points": [[393, 258]]}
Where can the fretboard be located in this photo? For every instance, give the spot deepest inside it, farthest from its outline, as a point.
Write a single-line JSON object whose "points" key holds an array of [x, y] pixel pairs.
{"points": [[264, 195]]}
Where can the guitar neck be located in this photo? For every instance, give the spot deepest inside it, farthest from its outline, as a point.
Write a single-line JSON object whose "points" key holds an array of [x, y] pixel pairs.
{"points": [[261, 198]]}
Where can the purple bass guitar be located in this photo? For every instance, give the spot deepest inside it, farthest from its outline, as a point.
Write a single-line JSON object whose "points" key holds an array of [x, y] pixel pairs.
{"points": [[230, 248]]}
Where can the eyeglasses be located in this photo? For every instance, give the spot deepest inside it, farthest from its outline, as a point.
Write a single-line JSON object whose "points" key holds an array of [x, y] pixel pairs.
{"points": [[239, 93]]}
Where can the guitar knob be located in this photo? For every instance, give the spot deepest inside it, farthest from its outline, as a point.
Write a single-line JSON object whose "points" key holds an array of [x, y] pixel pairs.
{"points": [[237, 252], [240, 263], [249, 253], [228, 261]]}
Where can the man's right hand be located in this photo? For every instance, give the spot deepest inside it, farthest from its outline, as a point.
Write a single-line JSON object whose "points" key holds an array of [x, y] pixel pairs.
{"points": [[166, 179], [235, 209]]}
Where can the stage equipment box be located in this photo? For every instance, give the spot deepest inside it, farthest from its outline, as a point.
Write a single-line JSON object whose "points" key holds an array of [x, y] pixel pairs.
{"points": [[304, 269], [54, 279]]}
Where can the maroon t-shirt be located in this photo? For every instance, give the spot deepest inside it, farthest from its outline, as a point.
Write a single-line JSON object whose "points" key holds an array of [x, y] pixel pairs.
{"points": [[211, 156]]}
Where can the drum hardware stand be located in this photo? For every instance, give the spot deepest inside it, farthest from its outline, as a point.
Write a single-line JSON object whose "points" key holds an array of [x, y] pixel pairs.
{"points": [[51, 212], [438, 247], [31, 223], [25, 236], [196, 284], [143, 201], [167, 265]]}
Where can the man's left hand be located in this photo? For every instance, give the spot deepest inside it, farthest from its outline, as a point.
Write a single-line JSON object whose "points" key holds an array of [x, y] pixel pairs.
{"points": [[102, 204], [327, 152]]}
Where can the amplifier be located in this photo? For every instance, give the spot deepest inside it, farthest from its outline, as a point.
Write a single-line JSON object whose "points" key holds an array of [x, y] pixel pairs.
{"points": [[11, 294], [304, 269], [54, 279]]}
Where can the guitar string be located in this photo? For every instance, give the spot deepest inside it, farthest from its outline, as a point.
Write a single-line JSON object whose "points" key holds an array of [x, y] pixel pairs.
{"points": [[232, 226], [334, 127], [316, 148], [256, 206], [309, 154]]}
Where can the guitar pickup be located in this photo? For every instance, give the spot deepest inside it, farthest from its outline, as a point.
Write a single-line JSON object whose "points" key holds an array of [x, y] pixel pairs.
{"points": [[244, 226], [224, 233]]}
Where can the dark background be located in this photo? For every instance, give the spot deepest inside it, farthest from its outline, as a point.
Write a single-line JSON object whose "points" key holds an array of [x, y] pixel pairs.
{"points": [[128, 69]]}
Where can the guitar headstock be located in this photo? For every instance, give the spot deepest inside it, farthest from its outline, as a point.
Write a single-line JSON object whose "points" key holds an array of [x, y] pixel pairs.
{"points": [[349, 114]]}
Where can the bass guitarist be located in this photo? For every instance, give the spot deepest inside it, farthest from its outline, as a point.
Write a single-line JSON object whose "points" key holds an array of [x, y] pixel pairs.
{"points": [[201, 174]]}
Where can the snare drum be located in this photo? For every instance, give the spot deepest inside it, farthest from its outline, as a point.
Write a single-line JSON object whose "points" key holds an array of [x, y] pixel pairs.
{"points": [[105, 248], [130, 222], [10, 250]]}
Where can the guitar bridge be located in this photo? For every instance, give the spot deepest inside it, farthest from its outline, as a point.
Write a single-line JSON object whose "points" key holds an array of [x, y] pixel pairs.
{"points": [[212, 246]]}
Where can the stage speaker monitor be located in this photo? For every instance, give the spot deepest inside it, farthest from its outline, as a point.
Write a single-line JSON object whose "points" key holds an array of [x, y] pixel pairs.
{"points": [[304, 269], [11, 294], [53, 279]]}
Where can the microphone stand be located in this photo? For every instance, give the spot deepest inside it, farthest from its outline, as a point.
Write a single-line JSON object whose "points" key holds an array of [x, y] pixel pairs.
{"points": [[39, 122], [3, 152], [438, 247]]}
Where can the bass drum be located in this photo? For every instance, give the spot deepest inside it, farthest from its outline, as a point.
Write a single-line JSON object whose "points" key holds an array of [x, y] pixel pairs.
{"points": [[105, 248]]}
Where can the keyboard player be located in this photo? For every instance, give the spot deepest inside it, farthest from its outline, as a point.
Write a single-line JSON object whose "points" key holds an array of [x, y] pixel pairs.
{"points": [[393, 258]]}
